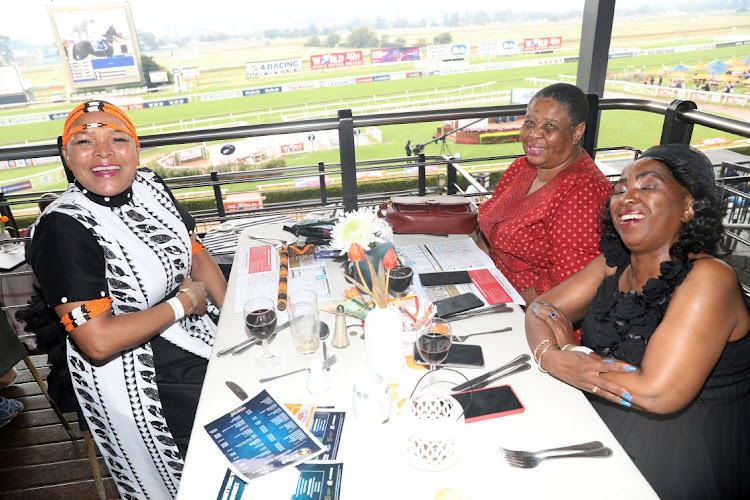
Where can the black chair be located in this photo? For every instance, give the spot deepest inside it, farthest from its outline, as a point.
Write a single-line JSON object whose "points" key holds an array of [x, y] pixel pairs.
{"points": [[11, 352]]}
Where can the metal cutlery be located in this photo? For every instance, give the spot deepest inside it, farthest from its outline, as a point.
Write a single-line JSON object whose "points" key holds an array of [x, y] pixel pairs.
{"points": [[529, 462], [247, 344], [326, 364], [462, 338], [236, 389], [497, 308], [517, 369], [591, 445], [519, 360]]}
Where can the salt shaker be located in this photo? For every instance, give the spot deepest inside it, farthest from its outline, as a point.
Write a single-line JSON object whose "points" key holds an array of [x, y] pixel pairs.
{"points": [[317, 383], [340, 338]]}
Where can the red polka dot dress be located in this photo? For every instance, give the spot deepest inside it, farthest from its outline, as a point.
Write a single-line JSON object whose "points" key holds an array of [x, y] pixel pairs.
{"points": [[540, 239]]}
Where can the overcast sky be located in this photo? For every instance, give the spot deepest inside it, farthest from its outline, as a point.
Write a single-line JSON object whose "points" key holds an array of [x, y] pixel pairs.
{"points": [[30, 21]]}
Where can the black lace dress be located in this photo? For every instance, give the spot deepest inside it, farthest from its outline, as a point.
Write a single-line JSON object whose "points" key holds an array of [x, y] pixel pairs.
{"points": [[702, 451]]}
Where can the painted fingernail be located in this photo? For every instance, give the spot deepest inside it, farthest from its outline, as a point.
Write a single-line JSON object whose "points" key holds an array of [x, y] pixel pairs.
{"points": [[609, 360], [630, 368], [545, 303], [624, 403], [535, 303], [627, 396], [534, 311]]}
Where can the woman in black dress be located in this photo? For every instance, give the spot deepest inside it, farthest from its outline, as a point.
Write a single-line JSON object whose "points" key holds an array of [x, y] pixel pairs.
{"points": [[668, 325]]}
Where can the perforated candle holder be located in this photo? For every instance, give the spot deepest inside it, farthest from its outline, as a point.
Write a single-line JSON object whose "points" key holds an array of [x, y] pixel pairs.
{"points": [[432, 431]]}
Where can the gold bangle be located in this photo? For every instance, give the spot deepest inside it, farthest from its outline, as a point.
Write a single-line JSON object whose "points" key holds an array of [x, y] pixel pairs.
{"points": [[568, 347], [536, 349], [539, 363], [192, 296]]}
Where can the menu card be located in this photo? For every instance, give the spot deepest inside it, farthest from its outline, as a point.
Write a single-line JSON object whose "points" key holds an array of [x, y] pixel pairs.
{"points": [[261, 436]]}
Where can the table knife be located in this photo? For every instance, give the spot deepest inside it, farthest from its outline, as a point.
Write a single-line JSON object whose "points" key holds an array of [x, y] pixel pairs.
{"points": [[517, 369], [237, 390], [473, 382], [251, 342]]}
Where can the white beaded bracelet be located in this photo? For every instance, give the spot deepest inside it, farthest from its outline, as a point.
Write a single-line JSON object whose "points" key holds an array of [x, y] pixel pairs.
{"points": [[179, 311]]}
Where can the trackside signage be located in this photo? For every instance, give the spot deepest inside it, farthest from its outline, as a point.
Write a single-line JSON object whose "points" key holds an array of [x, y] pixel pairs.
{"points": [[274, 67], [336, 60]]}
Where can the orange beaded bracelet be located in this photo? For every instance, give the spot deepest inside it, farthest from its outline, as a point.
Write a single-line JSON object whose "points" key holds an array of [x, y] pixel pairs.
{"points": [[85, 312]]}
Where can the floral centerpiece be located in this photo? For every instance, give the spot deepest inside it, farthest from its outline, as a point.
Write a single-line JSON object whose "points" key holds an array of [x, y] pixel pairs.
{"points": [[378, 291], [362, 227], [3, 221]]}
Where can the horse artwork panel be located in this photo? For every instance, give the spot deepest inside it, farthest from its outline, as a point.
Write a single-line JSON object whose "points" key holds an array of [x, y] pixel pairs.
{"points": [[86, 48]]}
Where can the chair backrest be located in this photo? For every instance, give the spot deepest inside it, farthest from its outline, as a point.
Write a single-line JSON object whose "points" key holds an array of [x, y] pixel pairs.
{"points": [[11, 349]]}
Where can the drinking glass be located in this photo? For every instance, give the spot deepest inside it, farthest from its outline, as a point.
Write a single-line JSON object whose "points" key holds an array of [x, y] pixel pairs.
{"points": [[399, 280], [260, 322], [434, 343], [305, 320]]}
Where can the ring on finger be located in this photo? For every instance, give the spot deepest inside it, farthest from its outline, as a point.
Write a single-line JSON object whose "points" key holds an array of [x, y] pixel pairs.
{"points": [[553, 314], [596, 388]]}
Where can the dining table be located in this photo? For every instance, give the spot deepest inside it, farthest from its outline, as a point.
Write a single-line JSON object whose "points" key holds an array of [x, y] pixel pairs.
{"points": [[375, 465]]}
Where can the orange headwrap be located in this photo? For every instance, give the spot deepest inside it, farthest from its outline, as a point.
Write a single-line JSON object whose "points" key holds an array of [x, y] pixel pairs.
{"points": [[90, 106]]}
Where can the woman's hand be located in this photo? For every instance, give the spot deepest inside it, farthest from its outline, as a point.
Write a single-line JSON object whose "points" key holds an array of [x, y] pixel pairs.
{"points": [[199, 289], [584, 372], [557, 321]]}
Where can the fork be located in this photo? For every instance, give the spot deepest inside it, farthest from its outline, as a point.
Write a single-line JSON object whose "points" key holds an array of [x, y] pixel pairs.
{"points": [[529, 462], [326, 364], [591, 445], [462, 338]]}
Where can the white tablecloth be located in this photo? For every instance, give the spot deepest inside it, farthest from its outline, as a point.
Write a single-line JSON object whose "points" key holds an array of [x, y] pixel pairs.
{"points": [[555, 415]]}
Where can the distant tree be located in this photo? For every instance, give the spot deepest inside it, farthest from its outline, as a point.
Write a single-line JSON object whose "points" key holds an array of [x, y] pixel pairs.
{"points": [[147, 40], [272, 33], [6, 54], [421, 42], [451, 19], [333, 39], [400, 23], [400, 42], [385, 43], [380, 23], [313, 41], [147, 65], [312, 30], [362, 37], [443, 38]]}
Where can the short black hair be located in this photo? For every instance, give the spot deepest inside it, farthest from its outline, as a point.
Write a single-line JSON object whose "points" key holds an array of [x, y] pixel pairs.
{"points": [[572, 98]]}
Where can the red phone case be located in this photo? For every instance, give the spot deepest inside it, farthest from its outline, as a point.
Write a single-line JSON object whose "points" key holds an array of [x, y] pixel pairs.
{"points": [[502, 413]]}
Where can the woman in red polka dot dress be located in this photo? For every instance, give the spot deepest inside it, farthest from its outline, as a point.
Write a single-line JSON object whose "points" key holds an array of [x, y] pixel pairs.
{"points": [[542, 223]]}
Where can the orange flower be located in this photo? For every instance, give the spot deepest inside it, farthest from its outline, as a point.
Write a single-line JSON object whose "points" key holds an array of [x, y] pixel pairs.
{"points": [[390, 260], [356, 253], [4, 219]]}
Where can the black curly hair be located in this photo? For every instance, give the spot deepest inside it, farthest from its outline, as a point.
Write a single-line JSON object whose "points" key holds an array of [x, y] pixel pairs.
{"points": [[692, 170], [570, 97]]}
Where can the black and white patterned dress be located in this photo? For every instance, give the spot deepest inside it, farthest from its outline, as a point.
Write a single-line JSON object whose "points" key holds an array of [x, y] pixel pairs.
{"points": [[134, 247]]}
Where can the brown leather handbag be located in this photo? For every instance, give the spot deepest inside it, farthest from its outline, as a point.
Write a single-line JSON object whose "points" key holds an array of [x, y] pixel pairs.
{"points": [[430, 214]]}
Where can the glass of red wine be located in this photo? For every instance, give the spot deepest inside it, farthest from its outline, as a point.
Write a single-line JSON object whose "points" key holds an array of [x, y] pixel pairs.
{"points": [[260, 323], [434, 343], [399, 280]]}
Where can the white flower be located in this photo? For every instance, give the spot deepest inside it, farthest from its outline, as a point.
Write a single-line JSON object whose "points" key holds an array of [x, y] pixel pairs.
{"points": [[363, 227]]}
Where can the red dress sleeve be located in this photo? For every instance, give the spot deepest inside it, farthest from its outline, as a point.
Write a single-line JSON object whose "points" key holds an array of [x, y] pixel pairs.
{"points": [[574, 231]]}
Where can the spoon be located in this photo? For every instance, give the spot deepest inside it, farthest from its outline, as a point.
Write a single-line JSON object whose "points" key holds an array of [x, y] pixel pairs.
{"points": [[324, 333]]}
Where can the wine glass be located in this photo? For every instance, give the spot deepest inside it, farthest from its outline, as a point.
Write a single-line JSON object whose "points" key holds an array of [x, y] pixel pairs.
{"points": [[399, 279], [260, 322], [434, 343]]}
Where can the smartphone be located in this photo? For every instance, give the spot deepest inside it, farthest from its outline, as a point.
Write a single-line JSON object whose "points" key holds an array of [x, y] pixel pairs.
{"points": [[458, 304], [444, 278], [460, 355], [489, 402]]}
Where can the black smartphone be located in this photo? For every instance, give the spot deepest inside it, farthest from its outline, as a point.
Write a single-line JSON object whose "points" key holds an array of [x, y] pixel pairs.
{"points": [[460, 355], [458, 304], [444, 278], [489, 402]]}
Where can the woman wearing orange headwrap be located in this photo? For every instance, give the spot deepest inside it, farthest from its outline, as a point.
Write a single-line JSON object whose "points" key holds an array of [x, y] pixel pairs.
{"points": [[119, 261]]}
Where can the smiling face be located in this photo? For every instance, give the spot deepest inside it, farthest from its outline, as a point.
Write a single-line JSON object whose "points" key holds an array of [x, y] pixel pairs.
{"points": [[546, 135], [104, 160], [649, 206]]}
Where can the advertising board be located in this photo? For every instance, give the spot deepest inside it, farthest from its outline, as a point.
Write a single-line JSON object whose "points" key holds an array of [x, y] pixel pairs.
{"points": [[273, 67], [448, 51], [497, 48], [394, 54], [160, 76], [542, 43], [97, 43], [336, 60]]}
